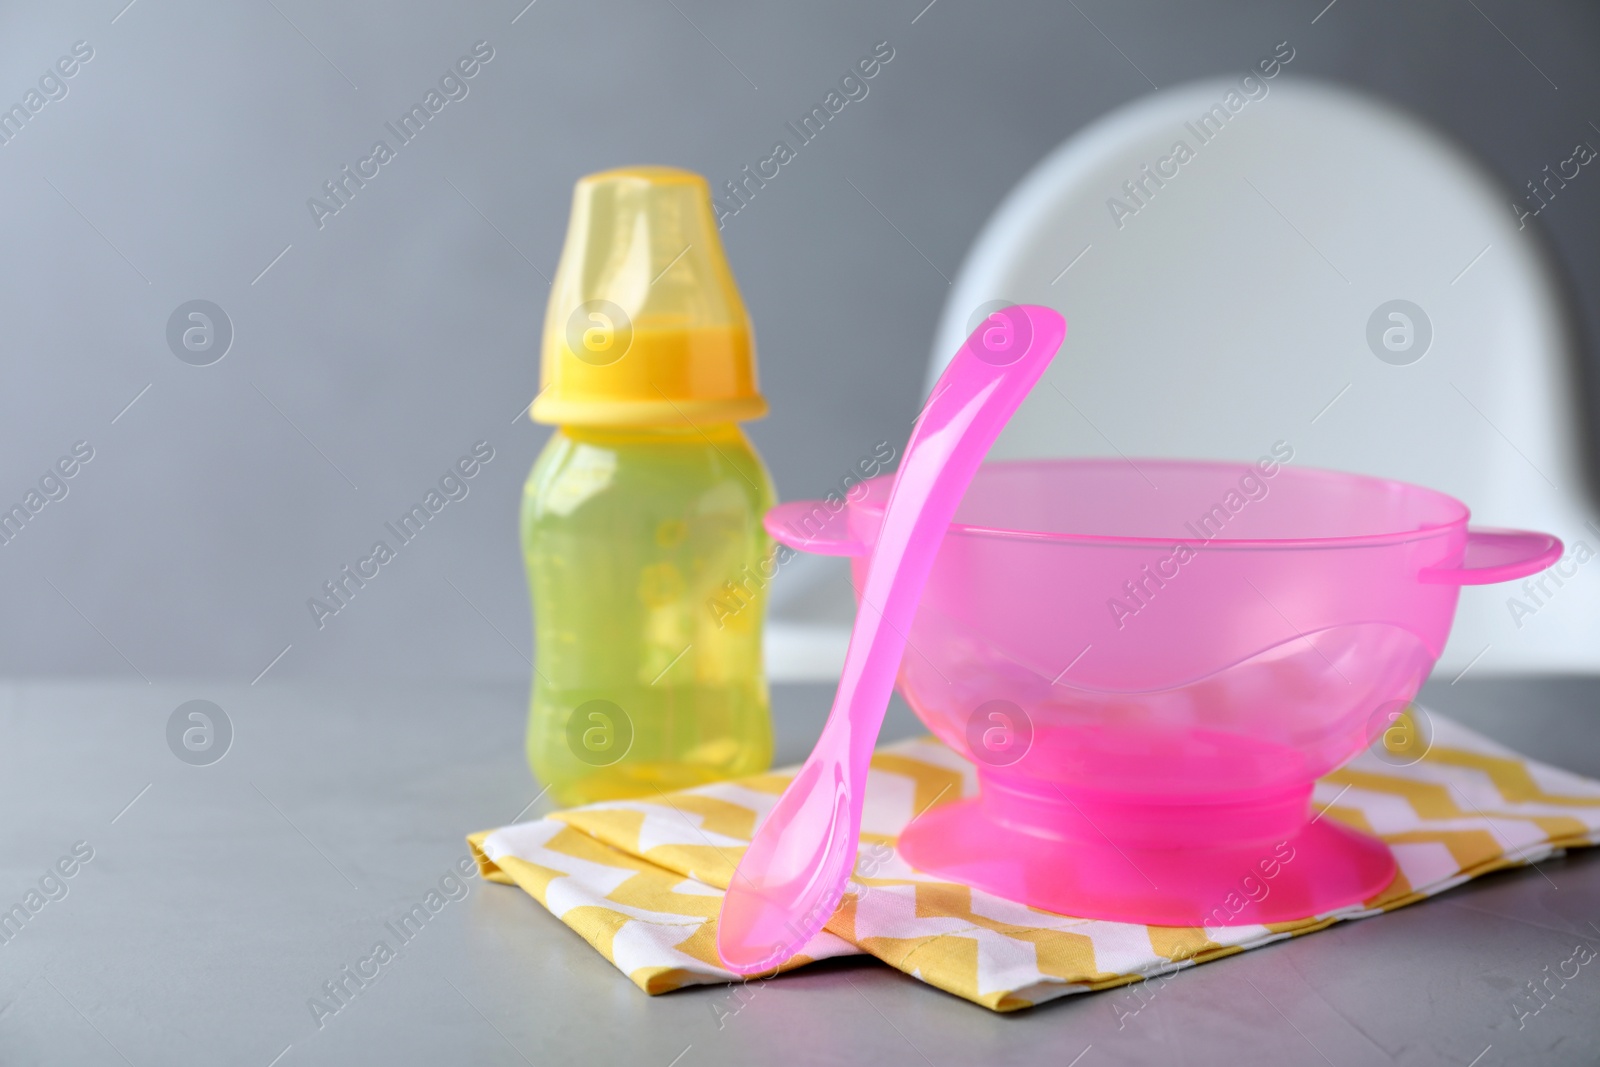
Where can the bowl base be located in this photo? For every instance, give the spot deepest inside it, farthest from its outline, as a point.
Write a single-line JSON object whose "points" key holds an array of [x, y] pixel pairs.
{"points": [[1321, 867]]}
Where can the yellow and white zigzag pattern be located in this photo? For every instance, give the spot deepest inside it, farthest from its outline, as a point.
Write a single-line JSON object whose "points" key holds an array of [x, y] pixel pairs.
{"points": [[642, 880]]}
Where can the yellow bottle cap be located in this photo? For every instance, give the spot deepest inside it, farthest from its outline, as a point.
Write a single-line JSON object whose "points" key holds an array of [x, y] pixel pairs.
{"points": [[645, 326]]}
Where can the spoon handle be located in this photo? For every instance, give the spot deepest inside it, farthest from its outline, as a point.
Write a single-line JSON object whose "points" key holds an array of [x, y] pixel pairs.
{"points": [[970, 404]]}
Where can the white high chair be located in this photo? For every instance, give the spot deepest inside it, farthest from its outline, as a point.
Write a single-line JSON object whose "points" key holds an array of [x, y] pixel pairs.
{"points": [[1318, 269]]}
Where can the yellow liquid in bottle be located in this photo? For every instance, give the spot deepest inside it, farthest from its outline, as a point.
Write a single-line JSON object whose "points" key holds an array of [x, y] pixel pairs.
{"points": [[648, 672]]}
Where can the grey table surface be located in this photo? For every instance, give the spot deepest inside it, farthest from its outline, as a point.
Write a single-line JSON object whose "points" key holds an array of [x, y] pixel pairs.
{"points": [[220, 898]]}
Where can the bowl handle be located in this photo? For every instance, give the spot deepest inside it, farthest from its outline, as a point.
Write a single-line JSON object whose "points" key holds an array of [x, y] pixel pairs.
{"points": [[1497, 556], [814, 526]]}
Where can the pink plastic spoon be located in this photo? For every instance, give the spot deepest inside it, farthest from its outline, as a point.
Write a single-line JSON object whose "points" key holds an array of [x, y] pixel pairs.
{"points": [[794, 872]]}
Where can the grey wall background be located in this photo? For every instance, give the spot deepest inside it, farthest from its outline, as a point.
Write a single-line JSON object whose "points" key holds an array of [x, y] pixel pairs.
{"points": [[369, 354]]}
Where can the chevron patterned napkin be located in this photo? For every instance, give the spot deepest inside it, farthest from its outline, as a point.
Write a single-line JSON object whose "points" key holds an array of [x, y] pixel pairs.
{"points": [[642, 880]]}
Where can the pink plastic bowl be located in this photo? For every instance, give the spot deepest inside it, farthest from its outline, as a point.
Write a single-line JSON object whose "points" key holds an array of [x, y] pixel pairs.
{"points": [[1151, 665]]}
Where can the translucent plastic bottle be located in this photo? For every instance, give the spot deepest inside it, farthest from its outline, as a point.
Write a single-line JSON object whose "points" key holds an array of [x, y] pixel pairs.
{"points": [[641, 520]]}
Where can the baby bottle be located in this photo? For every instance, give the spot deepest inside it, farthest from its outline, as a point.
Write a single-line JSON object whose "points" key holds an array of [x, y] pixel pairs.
{"points": [[641, 519]]}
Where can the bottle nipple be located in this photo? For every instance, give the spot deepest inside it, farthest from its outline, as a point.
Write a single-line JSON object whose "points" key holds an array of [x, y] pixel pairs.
{"points": [[645, 326]]}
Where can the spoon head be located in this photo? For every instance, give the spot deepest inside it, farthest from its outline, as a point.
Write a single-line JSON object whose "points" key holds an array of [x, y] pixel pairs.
{"points": [[789, 882]]}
